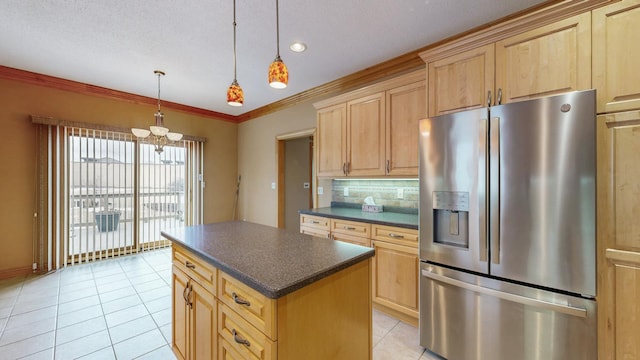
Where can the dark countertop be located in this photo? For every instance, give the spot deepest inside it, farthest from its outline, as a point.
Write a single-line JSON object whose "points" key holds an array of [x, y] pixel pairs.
{"points": [[273, 261], [403, 220]]}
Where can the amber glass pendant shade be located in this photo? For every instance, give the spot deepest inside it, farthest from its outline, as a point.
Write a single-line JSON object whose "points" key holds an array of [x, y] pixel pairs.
{"points": [[235, 95], [278, 74]]}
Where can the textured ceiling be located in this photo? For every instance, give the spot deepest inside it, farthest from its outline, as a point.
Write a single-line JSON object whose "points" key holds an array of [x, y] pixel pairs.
{"points": [[117, 44]]}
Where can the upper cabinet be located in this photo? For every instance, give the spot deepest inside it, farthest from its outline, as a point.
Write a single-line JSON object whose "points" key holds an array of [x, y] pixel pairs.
{"points": [[461, 81], [406, 105], [372, 131], [365, 136], [547, 60], [616, 55], [332, 140]]}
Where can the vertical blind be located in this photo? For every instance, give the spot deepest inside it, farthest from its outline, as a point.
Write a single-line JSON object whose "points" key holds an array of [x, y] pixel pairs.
{"points": [[102, 193]]}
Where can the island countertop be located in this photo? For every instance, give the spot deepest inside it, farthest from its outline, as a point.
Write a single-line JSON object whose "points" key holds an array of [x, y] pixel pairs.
{"points": [[273, 261]]}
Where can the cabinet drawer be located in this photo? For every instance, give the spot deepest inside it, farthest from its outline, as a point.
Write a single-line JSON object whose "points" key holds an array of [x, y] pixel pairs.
{"points": [[315, 222], [350, 228], [254, 307], [314, 232], [240, 340], [395, 235], [194, 267], [358, 240]]}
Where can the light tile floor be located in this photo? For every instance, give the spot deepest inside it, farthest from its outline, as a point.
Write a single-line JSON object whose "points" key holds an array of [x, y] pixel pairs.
{"points": [[121, 309]]}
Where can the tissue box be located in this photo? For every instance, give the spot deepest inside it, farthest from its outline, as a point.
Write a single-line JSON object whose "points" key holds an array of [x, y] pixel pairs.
{"points": [[372, 208]]}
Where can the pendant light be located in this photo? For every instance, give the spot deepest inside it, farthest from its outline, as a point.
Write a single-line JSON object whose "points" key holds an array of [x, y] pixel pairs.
{"points": [[278, 73], [157, 135], [235, 95]]}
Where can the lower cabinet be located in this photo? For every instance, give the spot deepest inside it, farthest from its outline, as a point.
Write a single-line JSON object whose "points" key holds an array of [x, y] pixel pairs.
{"points": [[328, 319], [395, 268], [194, 319], [394, 280]]}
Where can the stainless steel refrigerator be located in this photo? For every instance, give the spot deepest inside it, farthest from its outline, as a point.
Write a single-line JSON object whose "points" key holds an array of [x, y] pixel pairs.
{"points": [[508, 229]]}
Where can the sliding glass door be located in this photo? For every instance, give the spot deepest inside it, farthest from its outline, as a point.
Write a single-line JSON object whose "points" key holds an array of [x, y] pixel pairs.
{"points": [[121, 194]]}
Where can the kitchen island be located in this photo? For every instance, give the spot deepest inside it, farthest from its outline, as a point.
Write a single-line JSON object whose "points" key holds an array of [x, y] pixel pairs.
{"points": [[249, 291]]}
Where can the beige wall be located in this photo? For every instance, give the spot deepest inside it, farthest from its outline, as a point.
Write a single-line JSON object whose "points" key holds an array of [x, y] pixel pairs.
{"points": [[17, 153], [257, 155]]}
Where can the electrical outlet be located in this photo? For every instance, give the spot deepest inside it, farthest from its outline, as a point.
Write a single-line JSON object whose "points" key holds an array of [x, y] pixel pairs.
{"points": [[320, 190], [346, 191], [400, 193], [273, 186]]}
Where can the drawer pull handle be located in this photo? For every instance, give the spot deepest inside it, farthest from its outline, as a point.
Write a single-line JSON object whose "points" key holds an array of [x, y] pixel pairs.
{"points": [[237, 338], [349, 227], [240, 300], [189, 265], [315, 222], [397, 236]]}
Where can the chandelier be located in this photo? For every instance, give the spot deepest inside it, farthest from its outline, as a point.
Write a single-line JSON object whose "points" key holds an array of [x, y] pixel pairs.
{"points": [[158, 135]]}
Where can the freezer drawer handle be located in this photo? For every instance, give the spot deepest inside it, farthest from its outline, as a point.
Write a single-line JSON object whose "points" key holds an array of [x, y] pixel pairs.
{"points": [[565, 309]]}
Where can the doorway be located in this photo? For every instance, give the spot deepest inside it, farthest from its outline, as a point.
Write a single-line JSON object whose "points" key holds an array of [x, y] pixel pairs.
{"points": [[295, 177]]}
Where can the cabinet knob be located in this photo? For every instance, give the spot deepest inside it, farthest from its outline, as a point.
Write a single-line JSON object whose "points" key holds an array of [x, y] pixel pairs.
{"points": [[239, 300], [240, 340]]}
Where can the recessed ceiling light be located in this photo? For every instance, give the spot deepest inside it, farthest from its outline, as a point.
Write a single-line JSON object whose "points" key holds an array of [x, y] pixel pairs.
{"points": [[298, 46]]}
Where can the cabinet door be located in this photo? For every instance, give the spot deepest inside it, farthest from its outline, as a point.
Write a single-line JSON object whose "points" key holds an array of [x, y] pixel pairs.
{"points": [[395, 280], [332, 140], [548, 60], [365, 133], [204, 340], [616, 55], [180, 315], [405, 106], [461, 81], [618, 235]]}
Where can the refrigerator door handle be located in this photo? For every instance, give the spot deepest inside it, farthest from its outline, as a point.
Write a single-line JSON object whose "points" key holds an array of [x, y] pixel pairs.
{"points": [[494, 185], [565, 309], [482, 191]]}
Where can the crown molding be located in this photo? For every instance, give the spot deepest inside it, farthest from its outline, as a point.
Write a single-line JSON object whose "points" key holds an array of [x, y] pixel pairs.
{"points": [[86, 89]]}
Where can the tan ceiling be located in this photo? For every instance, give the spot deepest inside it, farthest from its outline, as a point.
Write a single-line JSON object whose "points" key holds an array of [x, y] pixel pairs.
{"points": [[117, 44]]}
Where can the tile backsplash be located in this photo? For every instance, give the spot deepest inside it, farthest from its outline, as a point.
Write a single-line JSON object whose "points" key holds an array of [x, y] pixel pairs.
{"points": [[402, 193]]}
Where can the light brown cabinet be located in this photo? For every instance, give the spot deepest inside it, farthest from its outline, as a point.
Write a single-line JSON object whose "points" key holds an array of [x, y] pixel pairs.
{"points": [[372, 131], [365, 136], [394, 280], [616, 55], [237, 322], [461, 81], [315, 225], [618, 235], [395, 267], [194, 309], [332, 140], [548, 60], [405, 106], [354, 232]]}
